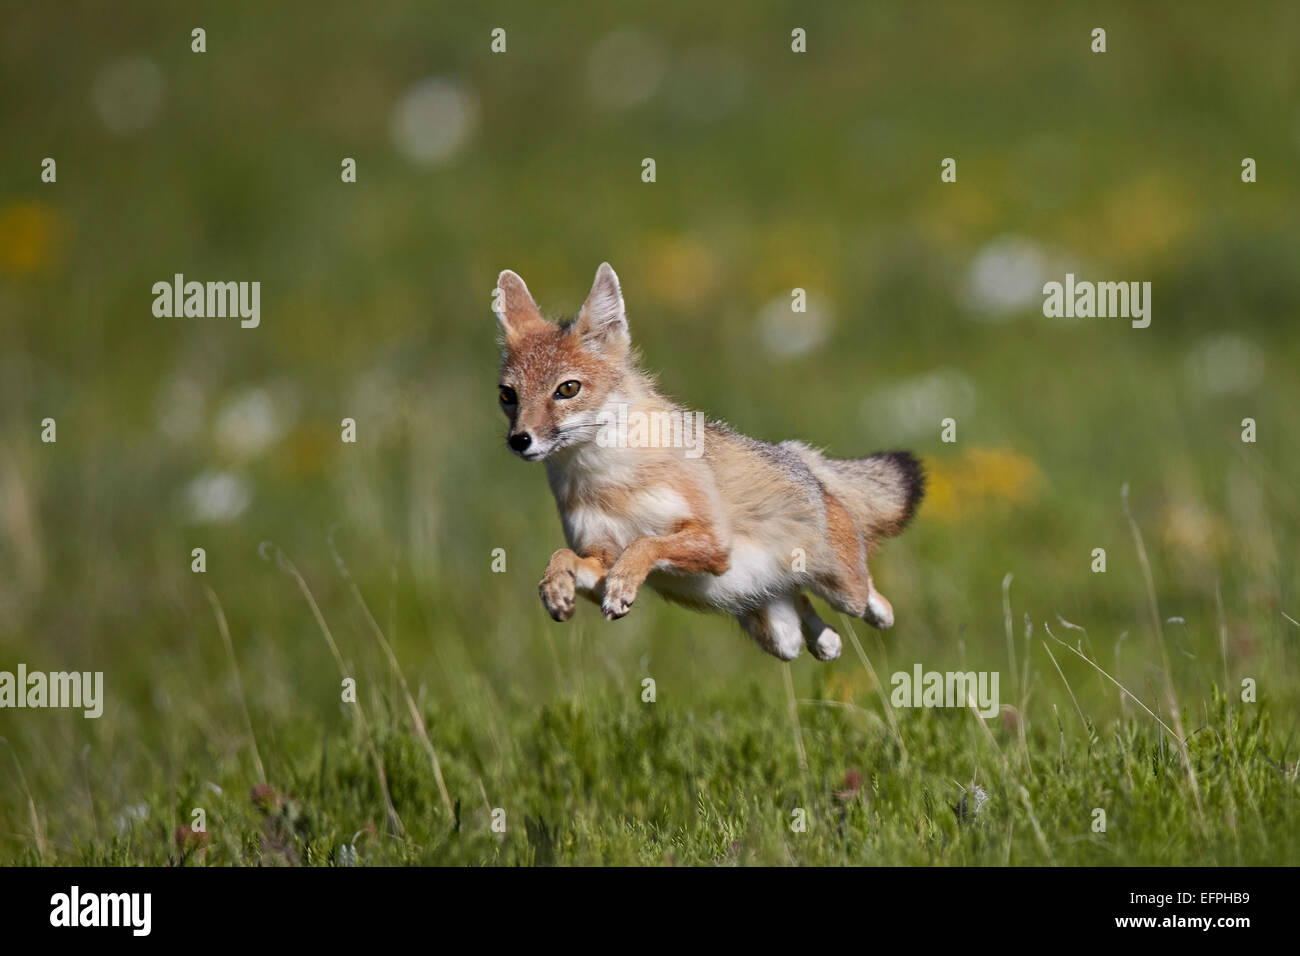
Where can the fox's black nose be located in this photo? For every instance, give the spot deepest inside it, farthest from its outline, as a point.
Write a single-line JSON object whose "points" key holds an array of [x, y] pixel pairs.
{"points": [[520, 441]]}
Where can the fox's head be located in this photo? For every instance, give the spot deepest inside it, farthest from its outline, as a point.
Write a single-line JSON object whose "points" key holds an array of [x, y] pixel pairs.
{"points": [[556, 378]]}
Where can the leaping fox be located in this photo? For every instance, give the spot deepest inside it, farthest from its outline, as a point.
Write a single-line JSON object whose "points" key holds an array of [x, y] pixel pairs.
{"points": [[706, 516]]}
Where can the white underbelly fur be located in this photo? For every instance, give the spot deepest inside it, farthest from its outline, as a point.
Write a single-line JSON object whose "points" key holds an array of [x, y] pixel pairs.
{"points": [[753, 575]]}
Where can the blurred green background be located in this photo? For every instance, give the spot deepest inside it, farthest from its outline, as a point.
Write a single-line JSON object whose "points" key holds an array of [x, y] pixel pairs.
{"points": [[775, 170]]}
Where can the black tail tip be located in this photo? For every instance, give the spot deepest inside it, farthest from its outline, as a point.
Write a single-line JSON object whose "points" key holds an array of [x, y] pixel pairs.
{"points": [[913, 475]]}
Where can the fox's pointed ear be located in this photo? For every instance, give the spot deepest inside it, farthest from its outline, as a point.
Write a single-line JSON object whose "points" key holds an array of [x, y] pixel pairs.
{"points": [[602, 321], [514, 306]]}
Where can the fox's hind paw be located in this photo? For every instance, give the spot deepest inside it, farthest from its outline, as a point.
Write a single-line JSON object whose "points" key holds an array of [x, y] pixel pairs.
{"points": [[558, 592], [880, 613], [826, 644]]}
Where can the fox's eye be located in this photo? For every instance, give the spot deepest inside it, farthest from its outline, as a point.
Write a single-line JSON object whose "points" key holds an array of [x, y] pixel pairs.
{"points": [[507, 395], [568, 389]]}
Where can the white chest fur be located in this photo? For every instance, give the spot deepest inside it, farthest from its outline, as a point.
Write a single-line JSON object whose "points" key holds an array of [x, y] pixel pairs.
{"points": [[616, 521], [605, 504]]}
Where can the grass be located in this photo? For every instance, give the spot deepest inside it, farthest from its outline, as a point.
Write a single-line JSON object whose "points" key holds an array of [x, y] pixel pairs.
{"points": [[608, 773], [609, 781]]}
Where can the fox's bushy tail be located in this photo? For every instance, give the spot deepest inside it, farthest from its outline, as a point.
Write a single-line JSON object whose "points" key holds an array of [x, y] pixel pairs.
{"points": [[881, 492]]}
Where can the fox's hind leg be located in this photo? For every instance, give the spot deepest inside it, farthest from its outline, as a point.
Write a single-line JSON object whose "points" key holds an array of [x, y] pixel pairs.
{"points": [[775, 627], [823, 640], [857, 597], [880, 613], [846, 584]]}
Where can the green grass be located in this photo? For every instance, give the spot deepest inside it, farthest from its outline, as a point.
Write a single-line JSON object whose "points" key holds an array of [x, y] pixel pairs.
{"points": [[607, 780], [601, 775]]}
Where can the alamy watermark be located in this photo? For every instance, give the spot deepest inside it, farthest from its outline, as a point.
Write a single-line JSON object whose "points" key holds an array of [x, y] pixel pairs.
{"points": [[1086, 300], [922, 688], [35, 689], [211, 300], [130, 910], [623, 427]]}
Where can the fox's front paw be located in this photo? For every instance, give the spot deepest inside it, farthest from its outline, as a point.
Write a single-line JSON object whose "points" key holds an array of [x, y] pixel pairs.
{"points": [[558, 592], [620, 592]]}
